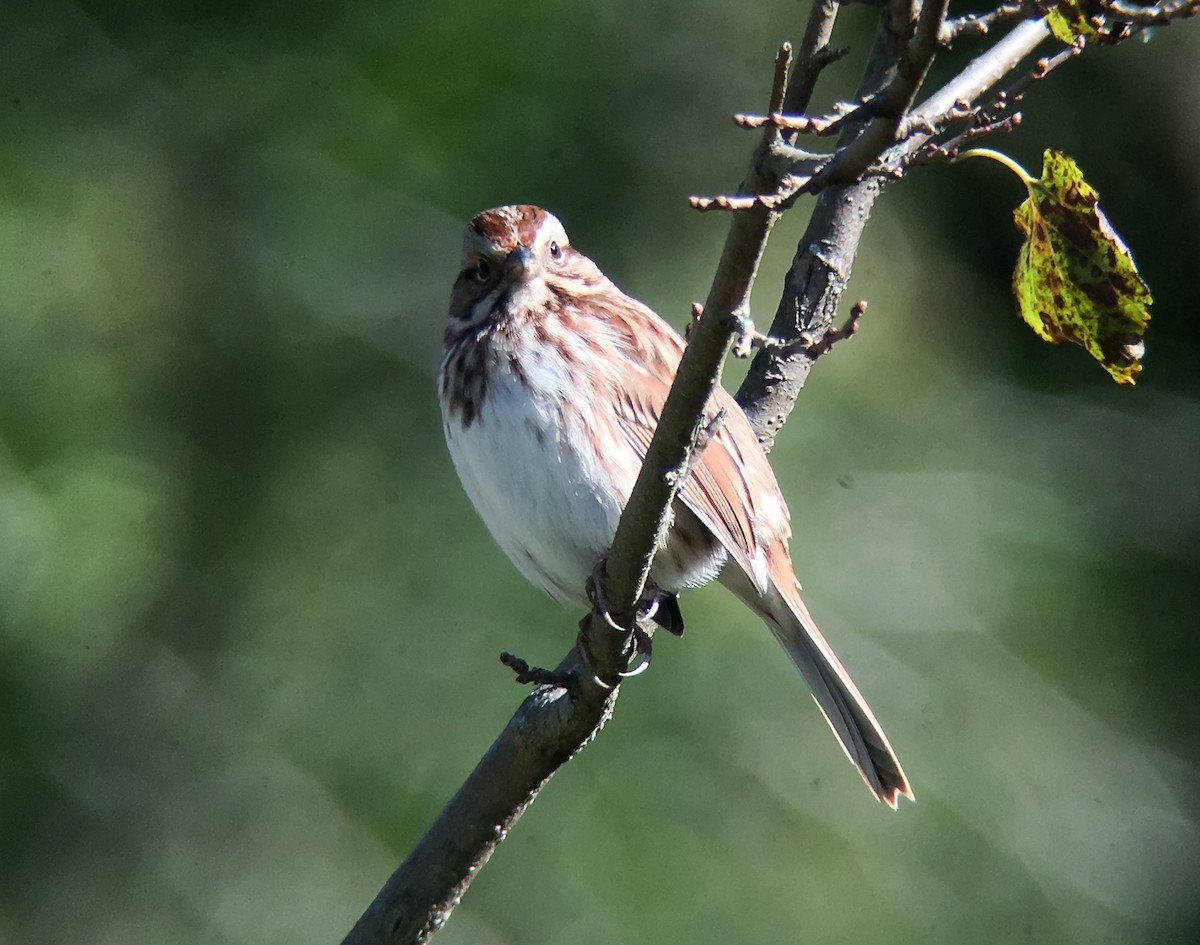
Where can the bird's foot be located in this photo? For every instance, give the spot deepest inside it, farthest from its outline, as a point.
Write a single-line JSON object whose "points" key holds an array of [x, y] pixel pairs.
{"points": [[648, 608]]}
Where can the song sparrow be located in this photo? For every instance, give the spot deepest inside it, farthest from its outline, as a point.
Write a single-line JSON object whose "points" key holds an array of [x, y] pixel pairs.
{"points": [[551, 383]]}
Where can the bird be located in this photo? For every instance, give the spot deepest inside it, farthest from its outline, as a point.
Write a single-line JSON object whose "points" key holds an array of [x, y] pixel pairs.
{"points": [[550, 384]]}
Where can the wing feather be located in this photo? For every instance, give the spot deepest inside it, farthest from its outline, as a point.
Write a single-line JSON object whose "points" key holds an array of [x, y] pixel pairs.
{"points": [[718, 489]]}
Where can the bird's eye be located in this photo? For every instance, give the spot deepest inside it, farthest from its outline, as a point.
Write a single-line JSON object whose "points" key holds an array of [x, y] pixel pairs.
{"points": [[482, 270], [555, 250]]}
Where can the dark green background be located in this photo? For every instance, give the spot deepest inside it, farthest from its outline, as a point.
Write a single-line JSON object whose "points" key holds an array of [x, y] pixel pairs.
{"points": [[249, 621]]}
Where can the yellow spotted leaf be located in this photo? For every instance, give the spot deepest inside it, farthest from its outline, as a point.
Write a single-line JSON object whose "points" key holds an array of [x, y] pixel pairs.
{"points": [[1071, 18], [1075, 280]]}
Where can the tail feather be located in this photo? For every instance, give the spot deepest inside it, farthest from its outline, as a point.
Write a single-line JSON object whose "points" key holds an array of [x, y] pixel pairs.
{"points": [[834, 691]]}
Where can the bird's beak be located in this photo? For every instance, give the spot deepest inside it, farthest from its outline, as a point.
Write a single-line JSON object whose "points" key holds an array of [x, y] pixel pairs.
{"points": [[521, 260]]}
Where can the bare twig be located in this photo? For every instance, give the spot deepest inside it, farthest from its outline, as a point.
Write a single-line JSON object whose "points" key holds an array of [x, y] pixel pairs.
{"points": [[999, 115], [812, 56], [825, 255], [815, 347], [750, 339], [820, 125], [983, 73], [980, 24], [533, 675], [1161, 15], [867, 130], [886, 108]]}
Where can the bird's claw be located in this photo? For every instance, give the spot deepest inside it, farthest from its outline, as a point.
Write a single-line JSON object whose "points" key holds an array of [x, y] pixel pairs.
{"points": [[640, 641]]}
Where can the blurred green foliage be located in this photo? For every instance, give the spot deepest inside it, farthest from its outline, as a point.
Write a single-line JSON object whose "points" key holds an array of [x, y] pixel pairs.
{"points": [[249, 622]]}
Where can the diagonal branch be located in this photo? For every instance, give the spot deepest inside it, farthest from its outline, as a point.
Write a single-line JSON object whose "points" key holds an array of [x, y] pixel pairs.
{"points": [[554, 722], [644, 522]]}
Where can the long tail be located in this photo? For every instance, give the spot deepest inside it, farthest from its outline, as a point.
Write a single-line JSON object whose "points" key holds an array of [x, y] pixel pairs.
{"points": [[834, 691]]}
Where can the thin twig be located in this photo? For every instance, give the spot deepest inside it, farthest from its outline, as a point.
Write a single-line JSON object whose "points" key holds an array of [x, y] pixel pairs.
{"points": [[824, 258], [820, 125], [999, 115], [887, 108], [869, 129], [983, 73], [816, 347], [526, 675], [1162, 15], [812, 56], [980, 24]]}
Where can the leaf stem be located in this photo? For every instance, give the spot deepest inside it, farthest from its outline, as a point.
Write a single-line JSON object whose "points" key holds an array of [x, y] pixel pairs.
{"points": [[999, 158]]}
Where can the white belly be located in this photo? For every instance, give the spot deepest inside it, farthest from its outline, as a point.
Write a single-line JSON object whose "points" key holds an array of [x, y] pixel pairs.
{"points": [[544, 502]]}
